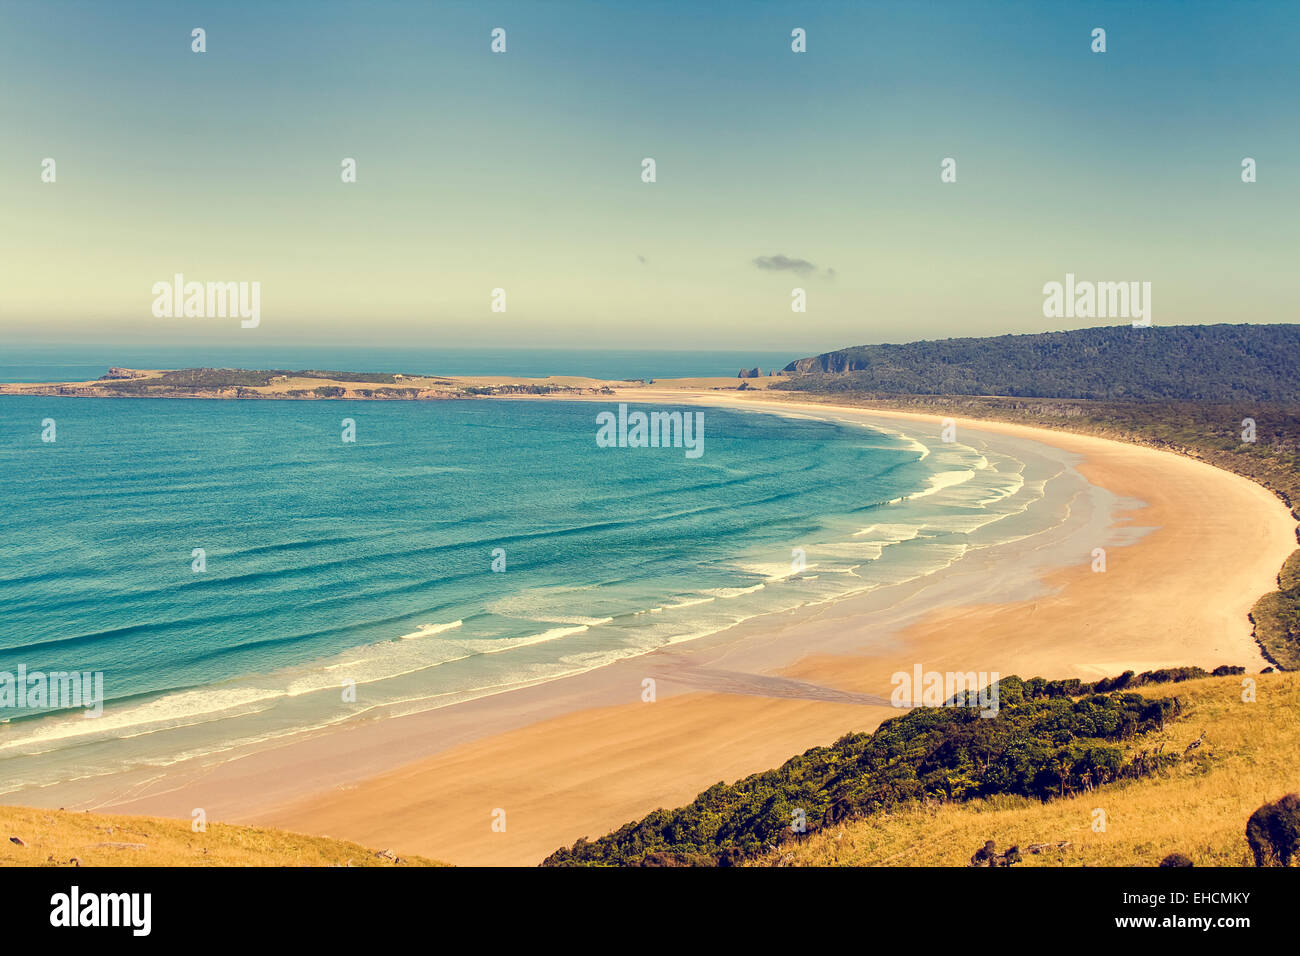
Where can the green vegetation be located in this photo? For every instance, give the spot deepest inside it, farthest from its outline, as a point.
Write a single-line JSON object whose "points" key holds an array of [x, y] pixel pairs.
{"points": [[374, 378], [1193, 362], [519, 389], [1276, 617], [1048, 739]]}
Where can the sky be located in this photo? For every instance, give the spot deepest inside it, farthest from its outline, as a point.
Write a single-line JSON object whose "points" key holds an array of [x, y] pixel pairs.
{"points": [[522, 170]]}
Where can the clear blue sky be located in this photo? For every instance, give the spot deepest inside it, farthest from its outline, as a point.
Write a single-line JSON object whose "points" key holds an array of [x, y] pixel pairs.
{"points": [[522, 170]]}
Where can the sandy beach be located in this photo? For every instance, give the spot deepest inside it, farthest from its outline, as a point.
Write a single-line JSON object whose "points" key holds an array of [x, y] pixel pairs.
{"points": [[581, 756]]}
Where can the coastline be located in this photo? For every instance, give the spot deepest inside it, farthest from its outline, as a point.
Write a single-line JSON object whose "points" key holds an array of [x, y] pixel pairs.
{"points": [[580, 756]]}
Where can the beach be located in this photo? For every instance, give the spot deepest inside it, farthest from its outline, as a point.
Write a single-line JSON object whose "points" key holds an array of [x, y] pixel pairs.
{"points": [[1188, 549]]}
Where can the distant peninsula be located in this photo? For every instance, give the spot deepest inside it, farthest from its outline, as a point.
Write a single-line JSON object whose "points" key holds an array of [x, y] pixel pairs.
{"points": [[313, 384], [308, 384]]}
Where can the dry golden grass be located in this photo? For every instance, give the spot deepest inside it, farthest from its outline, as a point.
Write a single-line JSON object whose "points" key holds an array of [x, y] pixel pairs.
{"points": [[1250, 756], [56, 837]]}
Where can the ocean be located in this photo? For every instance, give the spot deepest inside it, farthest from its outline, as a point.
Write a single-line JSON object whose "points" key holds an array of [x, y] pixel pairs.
{"points": [[454, 550]]}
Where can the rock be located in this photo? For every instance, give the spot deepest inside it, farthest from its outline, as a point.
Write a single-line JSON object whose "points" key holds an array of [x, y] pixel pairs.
{"points": [[387, 855], [75, 861], [1040, 847], [831, 362], [752, 373], [1273, 831], [19, 840]]}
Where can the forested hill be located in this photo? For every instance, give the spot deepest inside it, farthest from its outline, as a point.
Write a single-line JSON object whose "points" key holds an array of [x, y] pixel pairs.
{"points": [[1200, 362]]}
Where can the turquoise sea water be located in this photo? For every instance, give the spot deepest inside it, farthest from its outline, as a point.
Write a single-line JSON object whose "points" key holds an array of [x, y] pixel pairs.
{"points": [[371, 562]]}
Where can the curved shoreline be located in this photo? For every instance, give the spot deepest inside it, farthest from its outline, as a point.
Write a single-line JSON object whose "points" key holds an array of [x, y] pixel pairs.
{"points": [[581, 756], [206, 722]]}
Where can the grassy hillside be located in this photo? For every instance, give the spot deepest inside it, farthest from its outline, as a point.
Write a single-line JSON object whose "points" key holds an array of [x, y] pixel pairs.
{"points": [[58, 837], [1048, 739], [1197, 806], [1198, 362]]}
